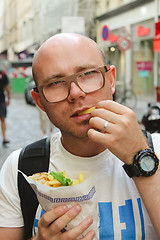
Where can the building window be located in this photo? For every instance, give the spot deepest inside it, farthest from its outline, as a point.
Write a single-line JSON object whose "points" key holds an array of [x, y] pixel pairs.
{"points": [[107, 4]]}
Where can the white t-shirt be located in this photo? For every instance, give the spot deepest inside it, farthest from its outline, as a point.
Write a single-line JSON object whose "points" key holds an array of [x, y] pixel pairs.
{"points": [[121, 210]]}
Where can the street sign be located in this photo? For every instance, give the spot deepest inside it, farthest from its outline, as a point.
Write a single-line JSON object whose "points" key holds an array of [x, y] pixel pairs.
{"points": [[124, 44], [105, 32], [123, 32]]}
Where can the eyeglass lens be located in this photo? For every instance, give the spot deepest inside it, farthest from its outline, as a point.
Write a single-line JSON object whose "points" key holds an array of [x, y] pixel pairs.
{"points": [[58, 89]]}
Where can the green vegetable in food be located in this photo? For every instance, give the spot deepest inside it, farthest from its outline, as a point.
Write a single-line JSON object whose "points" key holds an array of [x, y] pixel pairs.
{"points": [[62, 179]]}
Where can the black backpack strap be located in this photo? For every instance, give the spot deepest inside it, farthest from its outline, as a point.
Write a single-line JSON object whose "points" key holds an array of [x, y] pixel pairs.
{"points": [[33, 158], [149, 139]]}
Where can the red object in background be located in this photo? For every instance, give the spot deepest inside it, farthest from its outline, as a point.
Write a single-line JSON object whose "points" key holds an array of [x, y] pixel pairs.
{"points": [[112, 37], [142, 31], [156, 42], [158, 93], [144, 65], [124, 44], [157, 28]]}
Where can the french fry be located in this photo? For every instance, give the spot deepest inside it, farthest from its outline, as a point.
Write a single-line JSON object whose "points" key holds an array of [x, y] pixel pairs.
{"points": [[81, 177], [89, 110], [53, 183]]}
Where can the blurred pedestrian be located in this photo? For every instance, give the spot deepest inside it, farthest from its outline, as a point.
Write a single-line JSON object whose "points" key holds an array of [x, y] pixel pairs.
{"points": [[45, 124], [4, 90]]}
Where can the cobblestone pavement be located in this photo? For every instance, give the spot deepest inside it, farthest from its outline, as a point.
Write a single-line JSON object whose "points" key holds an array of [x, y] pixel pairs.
{"points": [[23, 125]]}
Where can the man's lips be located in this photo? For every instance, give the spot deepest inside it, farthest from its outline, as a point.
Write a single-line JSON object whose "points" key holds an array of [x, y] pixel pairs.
{"points": [[83, 111]]}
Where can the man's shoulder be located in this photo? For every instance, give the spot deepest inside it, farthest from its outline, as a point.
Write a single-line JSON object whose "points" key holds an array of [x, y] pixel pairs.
{"points": [[10, 165]]}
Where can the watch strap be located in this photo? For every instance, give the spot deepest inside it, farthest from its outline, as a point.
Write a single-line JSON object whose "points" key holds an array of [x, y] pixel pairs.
{"points": [[131, 170], [149, 139]]}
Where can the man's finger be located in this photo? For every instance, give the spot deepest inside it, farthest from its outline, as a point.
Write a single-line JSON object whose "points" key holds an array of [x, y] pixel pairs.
{"points": [[52, 215]]}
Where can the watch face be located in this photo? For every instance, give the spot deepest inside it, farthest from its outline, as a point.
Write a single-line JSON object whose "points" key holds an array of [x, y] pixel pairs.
{"points": [[147, 163]]}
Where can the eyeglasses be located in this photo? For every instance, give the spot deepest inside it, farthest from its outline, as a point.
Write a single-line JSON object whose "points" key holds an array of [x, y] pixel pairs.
{"points": [[57, 89]]}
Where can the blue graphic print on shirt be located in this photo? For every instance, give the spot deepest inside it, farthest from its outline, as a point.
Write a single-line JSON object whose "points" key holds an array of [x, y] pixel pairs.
{"points": [[35, 224], [127, 216], [107, 225]]}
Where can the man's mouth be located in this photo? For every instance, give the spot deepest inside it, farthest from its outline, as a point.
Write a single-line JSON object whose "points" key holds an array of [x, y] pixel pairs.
{"points": [[87, 111], [83, 112]]}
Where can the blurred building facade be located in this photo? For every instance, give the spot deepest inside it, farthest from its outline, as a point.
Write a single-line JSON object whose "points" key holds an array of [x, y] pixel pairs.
{"points": [[124, 29], [125, 32], [24, 25]]}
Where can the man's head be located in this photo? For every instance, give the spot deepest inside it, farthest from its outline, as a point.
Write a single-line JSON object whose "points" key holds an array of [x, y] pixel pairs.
{"points": [[64, 44], [61, 56]]}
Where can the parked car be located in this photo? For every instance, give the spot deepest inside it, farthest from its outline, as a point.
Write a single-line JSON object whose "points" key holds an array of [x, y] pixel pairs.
{"points": [[27, 93]]}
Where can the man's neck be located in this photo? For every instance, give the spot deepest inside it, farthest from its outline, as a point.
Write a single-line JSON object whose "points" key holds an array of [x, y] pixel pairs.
{"points": [[82, 147]]}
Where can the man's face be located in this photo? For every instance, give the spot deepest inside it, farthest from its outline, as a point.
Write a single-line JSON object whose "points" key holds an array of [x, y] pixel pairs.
{"points": [[63, 58]]}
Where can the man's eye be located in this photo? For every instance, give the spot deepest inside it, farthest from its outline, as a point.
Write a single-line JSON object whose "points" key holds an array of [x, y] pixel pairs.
{"points": [[88, 73], [55, 84]]}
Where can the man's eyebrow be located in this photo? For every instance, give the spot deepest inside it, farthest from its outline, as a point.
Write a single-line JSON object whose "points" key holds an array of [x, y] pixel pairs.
{"points": [[85, 67], [58, 75]]}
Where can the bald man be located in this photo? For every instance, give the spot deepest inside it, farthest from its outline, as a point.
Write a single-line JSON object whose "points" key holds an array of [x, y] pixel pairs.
{"points": [[75, 87]]}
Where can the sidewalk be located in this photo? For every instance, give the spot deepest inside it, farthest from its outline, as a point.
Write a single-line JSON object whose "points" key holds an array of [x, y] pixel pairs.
{"points": [[23, 127]]}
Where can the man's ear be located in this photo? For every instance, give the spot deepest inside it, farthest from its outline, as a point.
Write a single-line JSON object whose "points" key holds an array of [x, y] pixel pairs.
{"points": [[37, 99], [113, 78]]}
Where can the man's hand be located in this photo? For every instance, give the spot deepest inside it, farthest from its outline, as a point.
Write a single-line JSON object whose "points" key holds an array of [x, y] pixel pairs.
{"points": [[54, 220], [122, 135]]}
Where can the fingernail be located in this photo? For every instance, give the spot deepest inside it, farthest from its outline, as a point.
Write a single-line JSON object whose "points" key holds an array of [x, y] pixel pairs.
{"points": [[92, 234], [64, 208], [77, 208], [88, 220]]}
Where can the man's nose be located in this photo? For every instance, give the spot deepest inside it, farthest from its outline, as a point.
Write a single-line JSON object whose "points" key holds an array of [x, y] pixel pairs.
{"points": [[75, 93]]}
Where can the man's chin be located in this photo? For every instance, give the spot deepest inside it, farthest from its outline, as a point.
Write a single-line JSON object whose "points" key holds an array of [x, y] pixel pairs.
{"points": [[77, 131], [80, 133]]}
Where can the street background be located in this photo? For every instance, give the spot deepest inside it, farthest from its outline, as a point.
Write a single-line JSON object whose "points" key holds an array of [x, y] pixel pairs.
{"points": [[23, 125], [132, 46]]}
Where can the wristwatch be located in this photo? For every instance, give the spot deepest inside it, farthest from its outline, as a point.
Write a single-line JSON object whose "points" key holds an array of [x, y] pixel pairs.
{"points": [[145, 163]]}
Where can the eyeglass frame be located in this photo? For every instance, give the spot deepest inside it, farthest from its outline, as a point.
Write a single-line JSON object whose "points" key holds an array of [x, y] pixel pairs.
{"points": [[73, 78]]}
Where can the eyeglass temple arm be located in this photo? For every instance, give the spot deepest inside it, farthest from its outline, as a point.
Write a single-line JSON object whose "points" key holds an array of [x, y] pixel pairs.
{"points": [[107, 68], [35, 89]]}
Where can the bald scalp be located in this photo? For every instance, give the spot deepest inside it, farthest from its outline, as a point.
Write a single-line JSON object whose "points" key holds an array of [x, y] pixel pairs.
{"points": [[61, 39]]}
